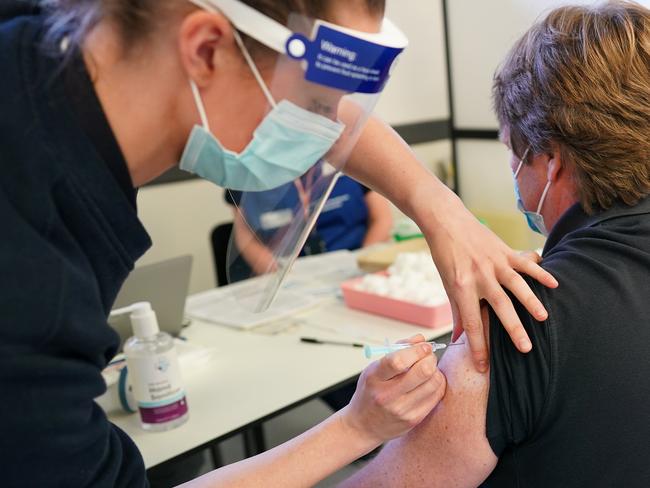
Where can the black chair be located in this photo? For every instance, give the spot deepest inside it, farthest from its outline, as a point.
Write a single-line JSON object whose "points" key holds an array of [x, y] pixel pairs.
{"points": [[220, 237], [239, 269]]}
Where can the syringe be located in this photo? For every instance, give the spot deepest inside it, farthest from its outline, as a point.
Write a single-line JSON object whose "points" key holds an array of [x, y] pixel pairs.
{"points": [[370, 351]]}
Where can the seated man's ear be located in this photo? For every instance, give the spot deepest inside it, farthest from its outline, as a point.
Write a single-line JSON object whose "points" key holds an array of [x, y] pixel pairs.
{"points": [[555, 165]]}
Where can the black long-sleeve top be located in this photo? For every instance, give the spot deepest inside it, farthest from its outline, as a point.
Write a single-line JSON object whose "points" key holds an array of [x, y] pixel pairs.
{"points": [[69, 237]]}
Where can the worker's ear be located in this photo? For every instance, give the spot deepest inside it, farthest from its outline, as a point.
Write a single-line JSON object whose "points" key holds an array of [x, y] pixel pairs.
{"points": [[555, 164], [205, 41]]}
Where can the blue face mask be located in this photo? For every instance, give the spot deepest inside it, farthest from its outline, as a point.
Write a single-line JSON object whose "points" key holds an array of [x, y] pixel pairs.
{"points": [[288, 142], [535, 220]]}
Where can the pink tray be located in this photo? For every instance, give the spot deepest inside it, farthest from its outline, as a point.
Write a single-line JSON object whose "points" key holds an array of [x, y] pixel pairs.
{"points": [[413, 313]]}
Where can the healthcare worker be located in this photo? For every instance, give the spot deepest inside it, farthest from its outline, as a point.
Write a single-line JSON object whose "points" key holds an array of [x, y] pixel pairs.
{"points": [[97, 98]]}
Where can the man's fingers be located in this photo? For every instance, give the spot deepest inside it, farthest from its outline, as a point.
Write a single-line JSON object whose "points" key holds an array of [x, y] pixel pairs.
{"points": [[470, 315], [505, 310], [534, 270], [400, 362]]}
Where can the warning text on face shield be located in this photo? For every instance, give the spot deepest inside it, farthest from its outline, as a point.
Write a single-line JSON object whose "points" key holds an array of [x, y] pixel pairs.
{"points": [[349, 70], [332, 48], [345, 62]]}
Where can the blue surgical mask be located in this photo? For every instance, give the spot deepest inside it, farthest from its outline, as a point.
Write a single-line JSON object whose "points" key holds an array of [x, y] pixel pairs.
{"points": [[535, 220], [288, 142]]}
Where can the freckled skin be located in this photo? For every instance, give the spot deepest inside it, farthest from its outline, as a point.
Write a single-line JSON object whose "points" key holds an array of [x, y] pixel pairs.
{"points": [[449, 448]]}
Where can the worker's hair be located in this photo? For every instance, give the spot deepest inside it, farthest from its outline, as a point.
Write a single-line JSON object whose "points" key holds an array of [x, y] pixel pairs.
{"points": [[579, 80], [137, 19]]}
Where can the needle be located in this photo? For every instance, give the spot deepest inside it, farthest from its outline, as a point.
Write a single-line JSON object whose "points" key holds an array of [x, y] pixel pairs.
{"points": [[370, 351]]}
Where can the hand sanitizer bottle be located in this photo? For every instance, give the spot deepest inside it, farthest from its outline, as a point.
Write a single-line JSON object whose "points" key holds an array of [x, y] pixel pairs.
{"points": [[154, 371]]}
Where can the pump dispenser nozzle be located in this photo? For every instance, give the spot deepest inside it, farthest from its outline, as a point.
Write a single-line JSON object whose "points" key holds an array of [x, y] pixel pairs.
{"points": [[143, 319]]}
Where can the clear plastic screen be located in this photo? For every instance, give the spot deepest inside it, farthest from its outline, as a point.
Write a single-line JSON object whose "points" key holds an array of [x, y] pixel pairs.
{"points": [[272, 226]]}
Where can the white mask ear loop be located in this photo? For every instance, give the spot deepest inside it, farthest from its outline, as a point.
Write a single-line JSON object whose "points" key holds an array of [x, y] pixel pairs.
{"points": [[546, 188], [199, 105], [521, 161], [253, 67], [541, 200]]}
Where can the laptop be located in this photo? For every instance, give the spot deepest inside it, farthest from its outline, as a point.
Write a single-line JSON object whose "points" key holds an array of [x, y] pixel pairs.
{"points": [[165, 285]]}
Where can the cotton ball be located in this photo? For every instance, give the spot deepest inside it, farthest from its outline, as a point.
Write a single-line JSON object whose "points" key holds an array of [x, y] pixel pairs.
{"points": [[413, 277], [376, 284]]}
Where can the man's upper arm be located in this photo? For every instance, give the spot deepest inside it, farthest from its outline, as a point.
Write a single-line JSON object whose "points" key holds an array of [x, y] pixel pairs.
{"points": [[449, 448]]}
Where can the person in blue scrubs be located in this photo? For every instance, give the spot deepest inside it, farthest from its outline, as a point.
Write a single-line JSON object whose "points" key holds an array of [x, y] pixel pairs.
{"points": [[353, 217]]}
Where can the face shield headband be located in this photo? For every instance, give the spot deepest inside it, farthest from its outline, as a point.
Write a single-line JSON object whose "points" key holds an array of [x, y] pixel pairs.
{"points": [[336, 57]]}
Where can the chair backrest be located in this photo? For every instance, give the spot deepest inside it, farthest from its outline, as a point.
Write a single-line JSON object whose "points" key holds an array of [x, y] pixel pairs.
{"points": [[239, 269], [220, 237]]}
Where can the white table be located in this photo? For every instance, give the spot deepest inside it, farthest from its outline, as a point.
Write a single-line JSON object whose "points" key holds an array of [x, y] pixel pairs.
{"points": [[254, 376]]}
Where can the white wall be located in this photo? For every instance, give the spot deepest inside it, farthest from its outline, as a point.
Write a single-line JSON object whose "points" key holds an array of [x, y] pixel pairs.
{"points": [[180, 216], [488, 191], [481, 33], [417, 90]]}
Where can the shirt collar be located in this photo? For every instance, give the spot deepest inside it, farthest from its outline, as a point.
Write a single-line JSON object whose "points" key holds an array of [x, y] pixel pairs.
{"points": [[88, 110], [576, 218]]}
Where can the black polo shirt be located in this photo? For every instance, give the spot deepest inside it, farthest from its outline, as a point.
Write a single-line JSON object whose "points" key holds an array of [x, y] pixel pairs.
{"points": [[574, 411], [70, 236]]}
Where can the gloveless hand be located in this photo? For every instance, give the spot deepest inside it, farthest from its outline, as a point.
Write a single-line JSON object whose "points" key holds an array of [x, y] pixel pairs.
{"points": [[476, 265], [396, 393]]}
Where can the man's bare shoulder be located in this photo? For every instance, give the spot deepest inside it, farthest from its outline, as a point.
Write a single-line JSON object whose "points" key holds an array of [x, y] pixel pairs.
{"points": [[449, 448]]}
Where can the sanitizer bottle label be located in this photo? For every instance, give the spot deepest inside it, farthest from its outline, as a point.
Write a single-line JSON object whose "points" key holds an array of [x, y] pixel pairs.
{"points": [[157, 387]]}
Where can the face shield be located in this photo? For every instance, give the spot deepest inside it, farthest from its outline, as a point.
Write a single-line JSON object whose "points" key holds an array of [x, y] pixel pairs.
{"points": [[325, 84]]}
